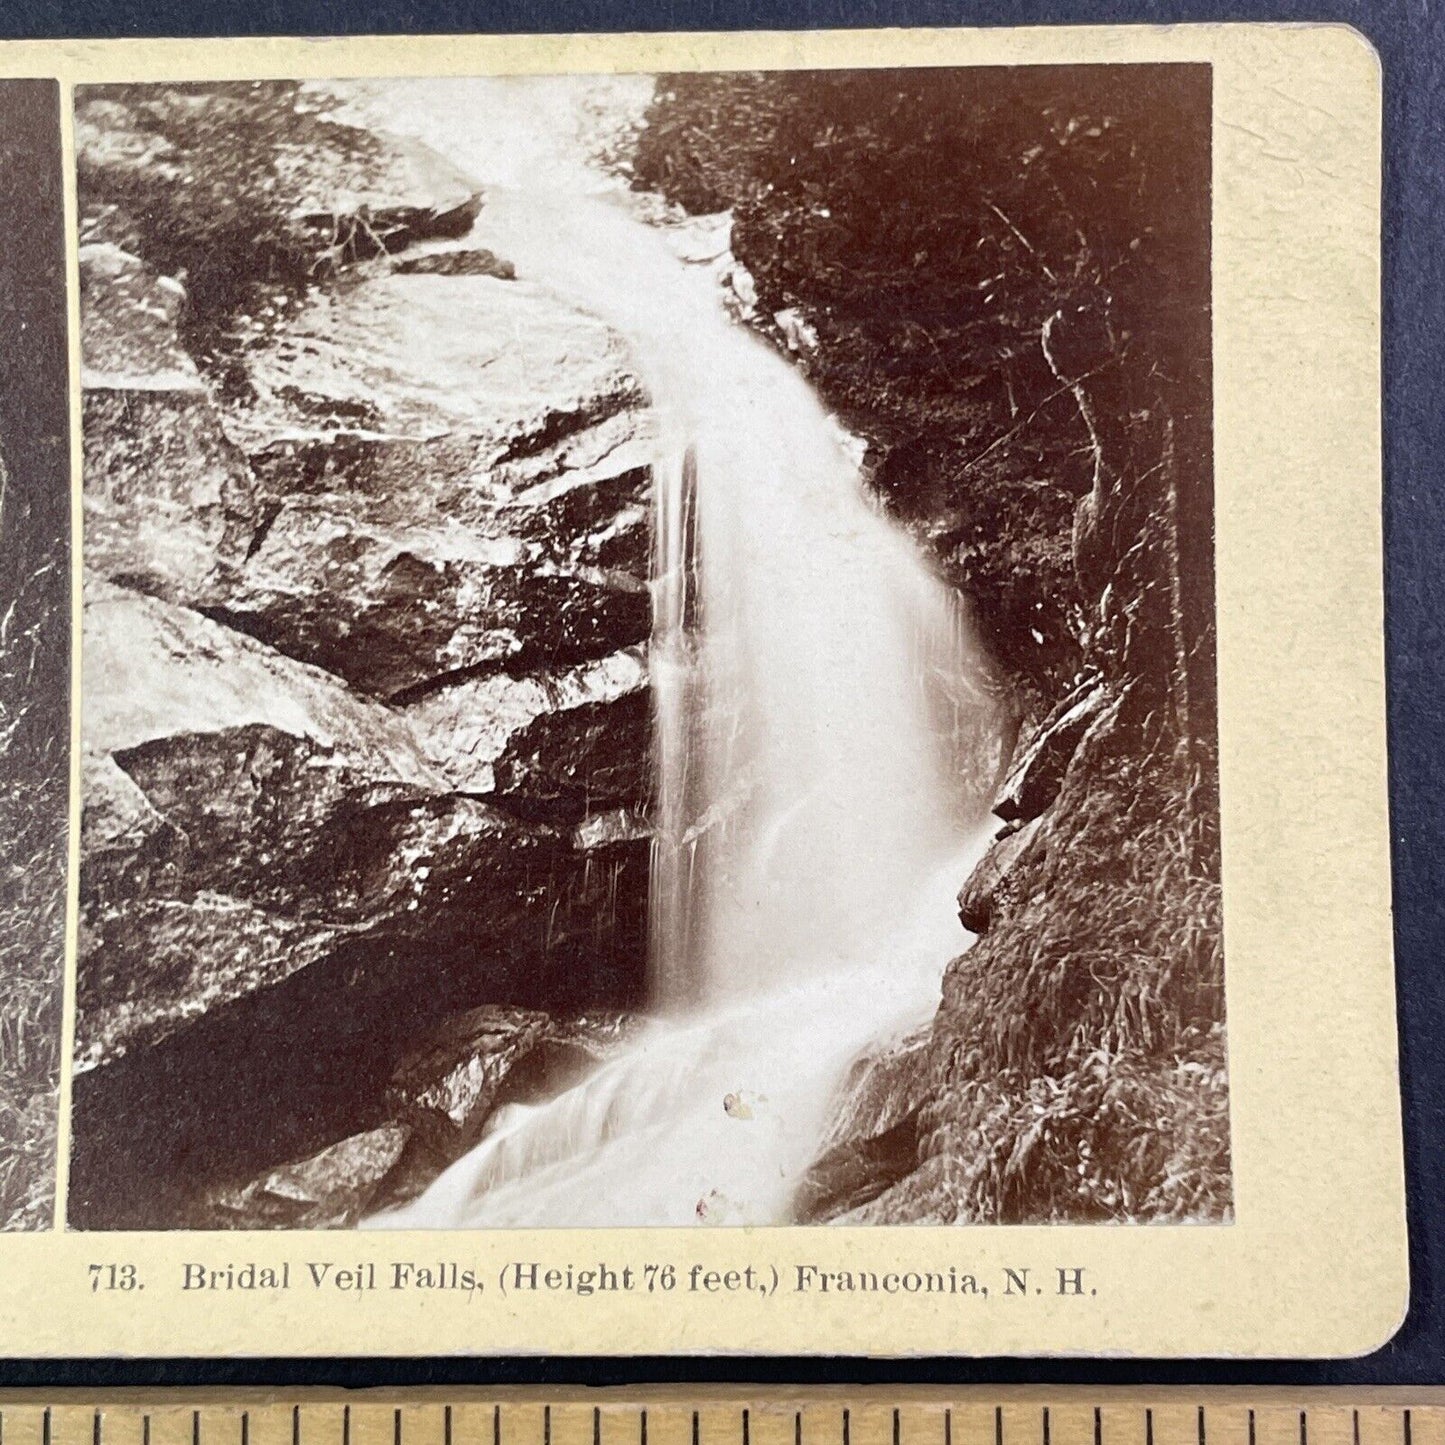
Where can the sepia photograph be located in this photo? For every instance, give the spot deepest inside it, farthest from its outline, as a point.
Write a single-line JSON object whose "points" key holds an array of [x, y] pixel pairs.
{"points": [[648, 655], [35, 652]]}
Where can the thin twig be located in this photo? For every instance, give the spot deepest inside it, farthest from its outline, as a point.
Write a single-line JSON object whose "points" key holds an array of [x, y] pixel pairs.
{"points": [[1024, 241]]}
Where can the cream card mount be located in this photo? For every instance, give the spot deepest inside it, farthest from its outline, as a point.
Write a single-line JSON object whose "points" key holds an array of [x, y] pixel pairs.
{"points": [[711, 693]]}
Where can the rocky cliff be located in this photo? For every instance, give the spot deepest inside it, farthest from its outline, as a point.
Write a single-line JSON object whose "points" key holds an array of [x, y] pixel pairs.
{"points": [[366, 715]]}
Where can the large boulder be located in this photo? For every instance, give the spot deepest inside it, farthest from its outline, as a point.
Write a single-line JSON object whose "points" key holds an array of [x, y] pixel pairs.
{"points": [[994, 882], [168, 497], [155, 670], [220, 770], [506, 369], [446, 459], [215, 771], [331, 1189], [260, 841]]}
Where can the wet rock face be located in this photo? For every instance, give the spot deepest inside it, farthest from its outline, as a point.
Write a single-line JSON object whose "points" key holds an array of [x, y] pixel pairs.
{"points": [[569, 763], [367, 722]]}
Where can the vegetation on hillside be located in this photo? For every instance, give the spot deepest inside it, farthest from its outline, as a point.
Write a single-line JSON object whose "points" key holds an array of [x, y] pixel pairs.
{"points": [[1077, 1067], [34, 803], [34, 651], [969, 246]]}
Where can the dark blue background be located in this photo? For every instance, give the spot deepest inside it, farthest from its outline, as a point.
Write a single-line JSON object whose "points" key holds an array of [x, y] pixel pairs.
{"points": [[1410, 37]]}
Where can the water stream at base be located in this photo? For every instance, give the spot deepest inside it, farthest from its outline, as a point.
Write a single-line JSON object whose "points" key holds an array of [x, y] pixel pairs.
{"points": [[819, 710]]}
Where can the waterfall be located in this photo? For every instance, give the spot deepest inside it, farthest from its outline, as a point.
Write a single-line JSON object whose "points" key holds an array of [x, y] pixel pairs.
{"points": [[824, 735], [808, 672]]}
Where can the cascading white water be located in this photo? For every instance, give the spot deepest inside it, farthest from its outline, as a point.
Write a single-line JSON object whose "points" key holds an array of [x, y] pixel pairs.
{"points": [[821, 722], [806, 667]]}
